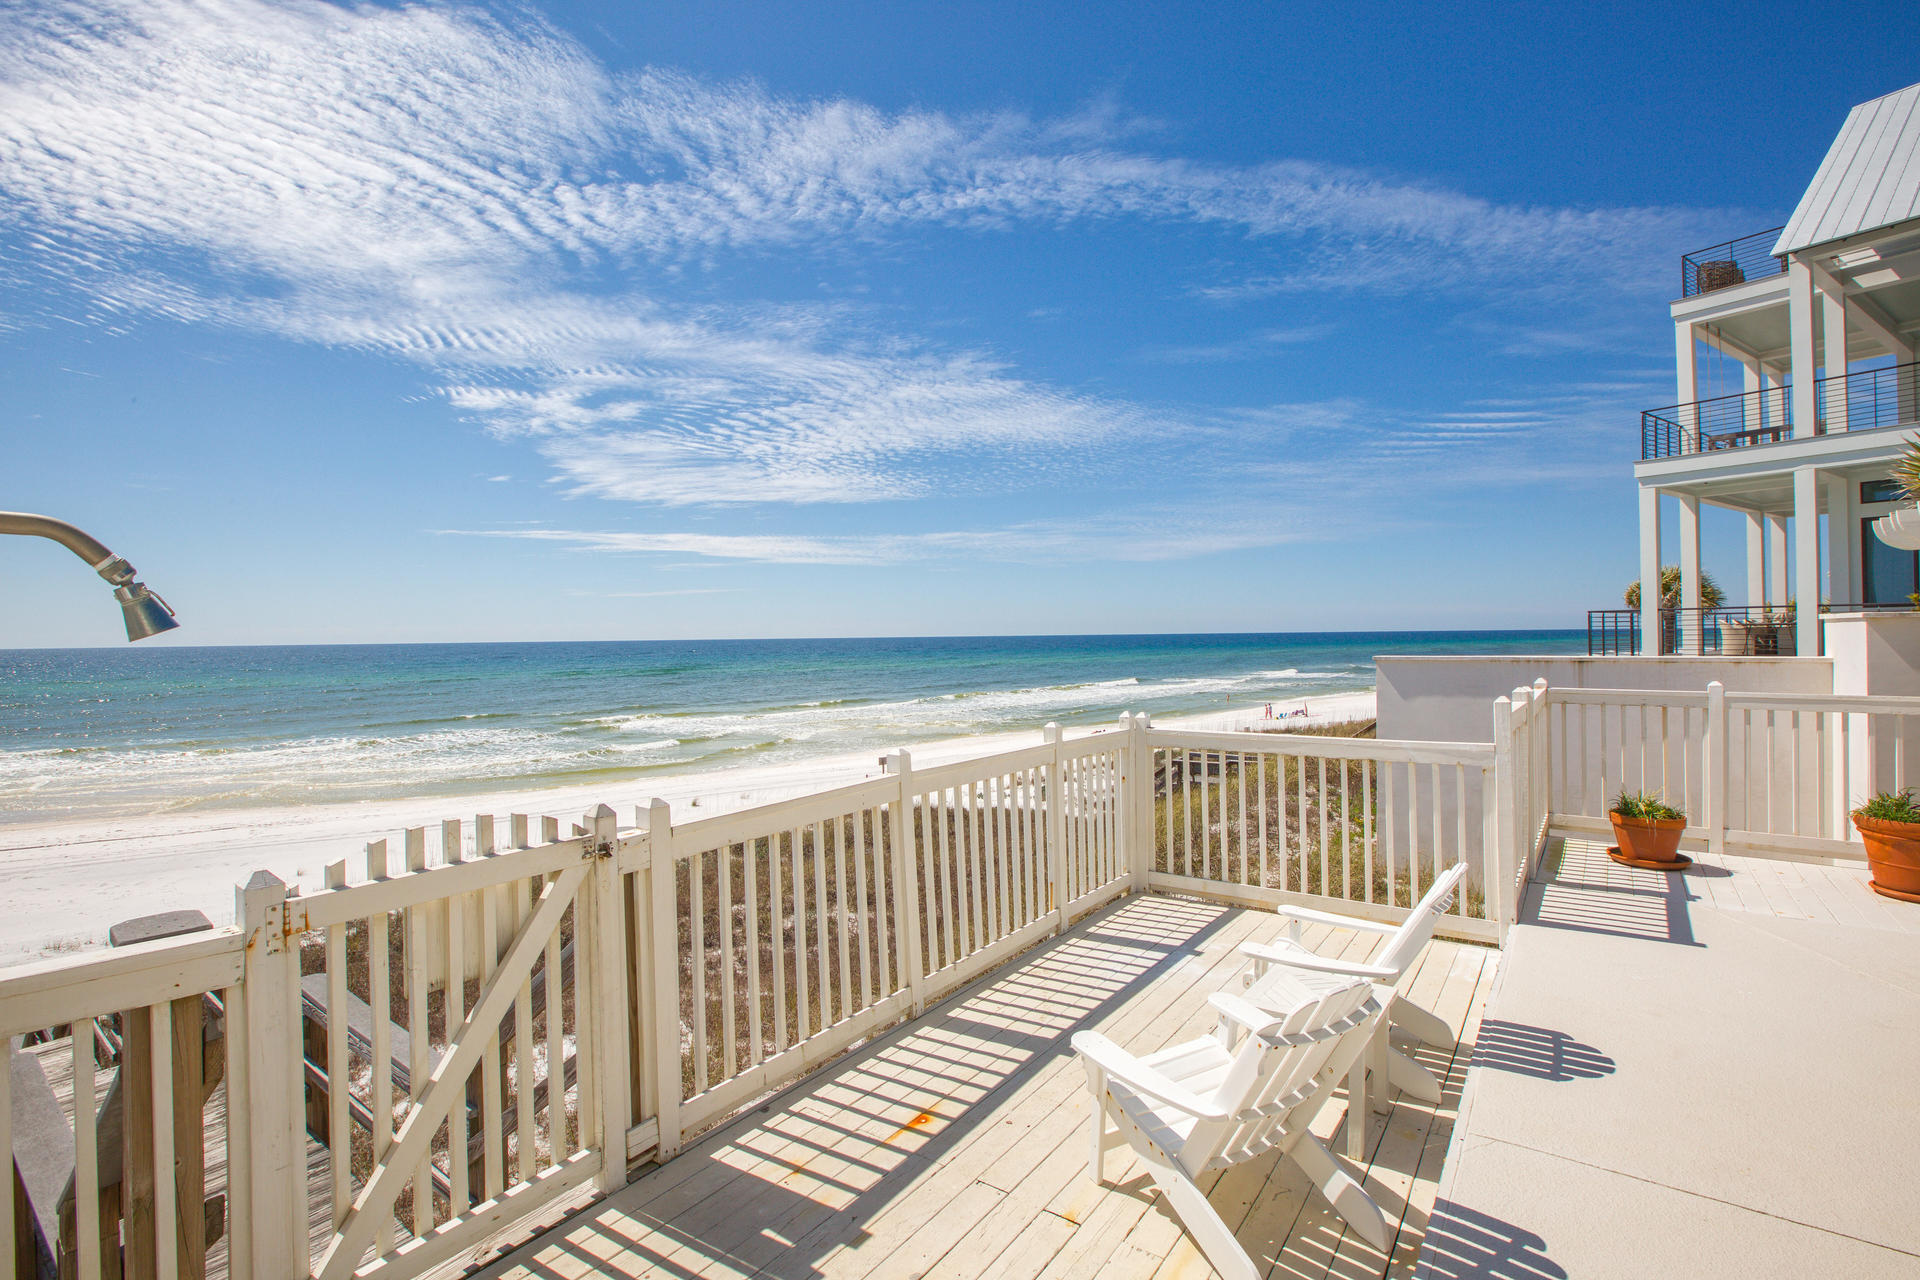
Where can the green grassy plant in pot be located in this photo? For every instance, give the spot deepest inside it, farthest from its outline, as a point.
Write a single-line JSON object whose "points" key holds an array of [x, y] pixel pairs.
{"points": [[1889, 826], [1648, 830]]}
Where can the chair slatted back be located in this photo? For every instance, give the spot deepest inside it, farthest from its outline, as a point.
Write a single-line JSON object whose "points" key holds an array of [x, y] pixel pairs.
{"points": [[1291, 1055], [1417, 930]]}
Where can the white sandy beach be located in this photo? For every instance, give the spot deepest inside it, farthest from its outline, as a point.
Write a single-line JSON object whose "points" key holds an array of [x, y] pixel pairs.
{"points": [[67, 881]]}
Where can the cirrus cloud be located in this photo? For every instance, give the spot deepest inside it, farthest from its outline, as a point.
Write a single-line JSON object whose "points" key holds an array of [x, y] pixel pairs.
{"points": [[477, 195]]}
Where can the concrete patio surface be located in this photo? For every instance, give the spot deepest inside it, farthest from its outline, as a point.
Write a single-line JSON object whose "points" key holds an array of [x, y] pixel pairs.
{"points": [[1708, 1074]]}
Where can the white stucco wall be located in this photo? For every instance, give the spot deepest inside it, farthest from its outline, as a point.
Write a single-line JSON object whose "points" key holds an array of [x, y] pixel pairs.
{"points": [[1877, 653], [1450, 699]]}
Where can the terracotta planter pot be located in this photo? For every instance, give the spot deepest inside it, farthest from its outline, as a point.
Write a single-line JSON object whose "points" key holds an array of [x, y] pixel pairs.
{"points": [[1893, 852], [1649, 839]]}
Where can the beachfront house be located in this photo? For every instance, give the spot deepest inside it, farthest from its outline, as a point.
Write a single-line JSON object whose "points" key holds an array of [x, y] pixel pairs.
{"points": [[836, 1035], [1798, 383]]}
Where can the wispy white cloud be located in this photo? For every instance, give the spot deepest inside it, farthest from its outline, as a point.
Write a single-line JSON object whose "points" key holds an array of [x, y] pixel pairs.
{"points": [[1260, 344], [650, 595], [1146, 536], [478, 195]]}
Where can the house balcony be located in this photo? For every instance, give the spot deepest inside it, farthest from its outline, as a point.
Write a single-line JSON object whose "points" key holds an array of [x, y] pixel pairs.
{"points": [[1750, 257], [1725, 631], [1870, 400]]}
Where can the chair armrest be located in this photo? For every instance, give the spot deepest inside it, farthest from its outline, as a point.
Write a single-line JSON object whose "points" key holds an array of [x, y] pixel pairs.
{"points": [[1137, 1075], [1258, 1021], [1297, 959], [1249, 1016], [1307, 915]]}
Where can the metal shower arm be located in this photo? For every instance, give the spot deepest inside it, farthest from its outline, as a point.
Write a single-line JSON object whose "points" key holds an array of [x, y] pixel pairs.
{"points": [[113, 568]]}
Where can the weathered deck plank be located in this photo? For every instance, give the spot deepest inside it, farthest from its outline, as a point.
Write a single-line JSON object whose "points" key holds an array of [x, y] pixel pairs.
{"points": [[955, 1146]]}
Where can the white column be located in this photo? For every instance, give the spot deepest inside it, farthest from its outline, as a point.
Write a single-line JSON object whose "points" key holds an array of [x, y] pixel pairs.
{"points": [[1806, 557], [1684, 354], [1649, 570], [1689, 629], [1750, 382], [1800, 312], [1833, 355], [1688, 386], [1840, 536], [1776, 560], [1756, 558]]}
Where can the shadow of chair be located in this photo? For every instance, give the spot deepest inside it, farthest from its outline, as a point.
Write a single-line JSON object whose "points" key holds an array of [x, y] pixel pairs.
{"points": [[1463, 1242], [1538, 1052]]}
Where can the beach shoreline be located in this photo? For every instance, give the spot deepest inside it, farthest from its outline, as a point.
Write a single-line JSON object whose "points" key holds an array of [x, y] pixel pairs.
{"points": [[69, 879]]}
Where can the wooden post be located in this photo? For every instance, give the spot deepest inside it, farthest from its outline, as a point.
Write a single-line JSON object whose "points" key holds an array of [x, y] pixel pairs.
{"points": [[613, 1067], [275, 1170], [1527, 732], [664, 937], [1056, 832], [635, 861], [1713, 769], [1499, 863], [1542, 760], [1139, 784], [137, 1172], [189, 1139], [906, 874]]}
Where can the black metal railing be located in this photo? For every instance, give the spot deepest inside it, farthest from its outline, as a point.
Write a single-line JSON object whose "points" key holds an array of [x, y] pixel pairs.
{"points": [[1874, 606], [1870, 400], [1723, 422], [1735, 262], [1727, 630]]}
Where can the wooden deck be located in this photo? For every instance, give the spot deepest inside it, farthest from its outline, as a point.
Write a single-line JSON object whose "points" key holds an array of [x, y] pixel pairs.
{"points": [[955, 1146]]}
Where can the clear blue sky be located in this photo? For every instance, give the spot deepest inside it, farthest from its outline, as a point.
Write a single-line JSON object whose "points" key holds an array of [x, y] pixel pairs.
{"points": [[616, 320]]}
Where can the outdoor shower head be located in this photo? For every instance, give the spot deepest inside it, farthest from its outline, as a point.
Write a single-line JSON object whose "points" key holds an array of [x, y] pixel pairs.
{"points": [[146, 613]]}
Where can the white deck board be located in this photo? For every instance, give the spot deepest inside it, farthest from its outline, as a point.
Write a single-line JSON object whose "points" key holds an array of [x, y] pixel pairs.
{"points": [[955, 1146]]}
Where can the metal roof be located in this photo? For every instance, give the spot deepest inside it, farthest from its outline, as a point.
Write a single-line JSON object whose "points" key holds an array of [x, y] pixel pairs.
{"points": [[1870, 178]]}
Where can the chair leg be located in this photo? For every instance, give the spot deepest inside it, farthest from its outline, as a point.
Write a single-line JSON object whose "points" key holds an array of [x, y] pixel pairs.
{"points": [[1097, 1130], [1410, 1078], [1354, 1127], [1420, 1024], [1379, 1054], [1348, 1198], [1208, 1229]]}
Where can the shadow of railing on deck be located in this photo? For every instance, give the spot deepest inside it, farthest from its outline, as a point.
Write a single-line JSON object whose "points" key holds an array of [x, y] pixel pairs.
{"points": [[1581, 889], [1538, 1052], [1463, 1242], [788, 1187]]}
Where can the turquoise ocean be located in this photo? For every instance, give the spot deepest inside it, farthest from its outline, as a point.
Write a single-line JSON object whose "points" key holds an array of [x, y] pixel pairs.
{"points": [[114, 732]]}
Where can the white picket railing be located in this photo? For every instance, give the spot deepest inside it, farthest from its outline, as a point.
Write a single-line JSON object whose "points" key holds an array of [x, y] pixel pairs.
{"points": [[1775, 774], [1605, 741], [489, 1016], [1359, 823]]}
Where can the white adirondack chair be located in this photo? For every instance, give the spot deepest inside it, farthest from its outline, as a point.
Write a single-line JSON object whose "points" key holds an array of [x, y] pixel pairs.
{"points": [[1386, 1064], [1252, 1086]]}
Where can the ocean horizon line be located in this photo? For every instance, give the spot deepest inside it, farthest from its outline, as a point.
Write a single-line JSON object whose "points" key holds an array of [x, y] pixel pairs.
{"points": [[165, 644]]}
